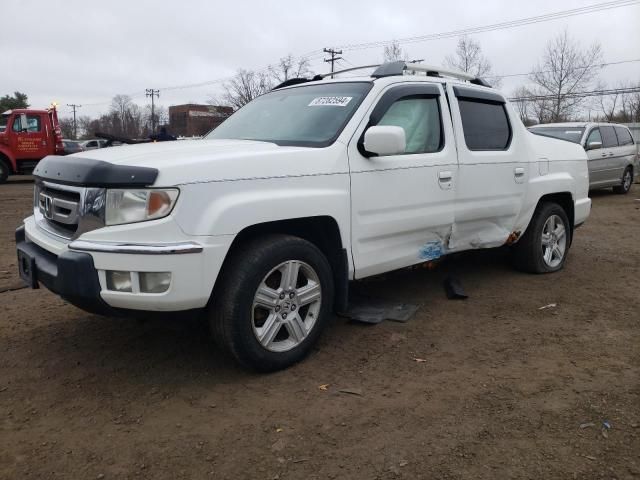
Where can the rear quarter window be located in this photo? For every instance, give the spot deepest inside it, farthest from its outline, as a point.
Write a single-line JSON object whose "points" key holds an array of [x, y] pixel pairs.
{"points": [[624, 136], [486, 124]]}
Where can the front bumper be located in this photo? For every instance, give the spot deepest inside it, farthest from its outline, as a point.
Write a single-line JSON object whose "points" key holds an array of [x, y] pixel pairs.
{"points": [[67, 267], [71, 275]]}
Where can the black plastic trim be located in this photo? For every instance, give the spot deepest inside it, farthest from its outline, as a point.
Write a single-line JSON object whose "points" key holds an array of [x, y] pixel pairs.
{"points": [[71, 275], [473, 94], [93, 173], [389, 69], [391, 96]]}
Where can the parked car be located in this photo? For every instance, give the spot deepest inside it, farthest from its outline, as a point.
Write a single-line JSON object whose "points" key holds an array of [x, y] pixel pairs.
{"points": [[71, 146], [262, 224], [613, 155], [93, 144]]}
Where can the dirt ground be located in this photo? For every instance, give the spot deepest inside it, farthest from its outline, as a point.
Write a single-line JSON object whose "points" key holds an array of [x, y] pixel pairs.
{"points": [[501, 388]]}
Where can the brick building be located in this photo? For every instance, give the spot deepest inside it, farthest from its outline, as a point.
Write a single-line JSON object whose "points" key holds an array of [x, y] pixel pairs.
{"points": [[191, 119]]}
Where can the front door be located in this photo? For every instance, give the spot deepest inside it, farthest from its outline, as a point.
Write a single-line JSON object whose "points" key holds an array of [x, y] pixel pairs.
{"points": [[597, 158], [493, 168], [29, 142], [402, 205]]}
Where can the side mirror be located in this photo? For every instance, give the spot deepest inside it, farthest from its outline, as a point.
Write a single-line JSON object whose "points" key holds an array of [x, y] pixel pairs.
{"points": [[385, 140], [594, 145], [24, 126]]}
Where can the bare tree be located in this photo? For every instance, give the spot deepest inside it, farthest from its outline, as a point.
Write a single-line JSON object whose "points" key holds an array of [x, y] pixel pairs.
{"points": [[289, 67], [522, 105], [566, 69], [608, 104], [244, 87], [66, 125], [393, 52], [161, 116], [469, 58]]}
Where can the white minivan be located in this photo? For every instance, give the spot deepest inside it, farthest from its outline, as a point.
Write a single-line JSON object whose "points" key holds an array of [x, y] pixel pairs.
{"points": [[613, 155]]}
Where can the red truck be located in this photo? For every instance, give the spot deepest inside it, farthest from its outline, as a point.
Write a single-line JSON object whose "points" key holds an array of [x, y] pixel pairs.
{"points": [[27, 136]]}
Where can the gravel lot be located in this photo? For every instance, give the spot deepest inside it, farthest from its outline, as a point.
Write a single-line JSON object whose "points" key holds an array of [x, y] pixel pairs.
{"points": [[500, 390]]}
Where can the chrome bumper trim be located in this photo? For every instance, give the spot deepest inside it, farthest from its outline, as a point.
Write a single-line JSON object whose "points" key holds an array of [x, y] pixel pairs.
{"points": [[136, 248]]}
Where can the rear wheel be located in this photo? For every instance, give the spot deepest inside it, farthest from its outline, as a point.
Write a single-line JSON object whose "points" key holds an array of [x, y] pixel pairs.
{"points": [[274, 299], [545, 245], [4, 171], [627, 180]]}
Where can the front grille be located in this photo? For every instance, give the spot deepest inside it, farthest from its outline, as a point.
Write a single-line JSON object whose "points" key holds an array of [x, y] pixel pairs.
{"points": [[68, 211], [60, 208]]}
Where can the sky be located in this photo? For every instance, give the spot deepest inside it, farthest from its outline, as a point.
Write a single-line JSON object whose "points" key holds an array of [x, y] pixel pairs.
{"points": [[85, 52]]}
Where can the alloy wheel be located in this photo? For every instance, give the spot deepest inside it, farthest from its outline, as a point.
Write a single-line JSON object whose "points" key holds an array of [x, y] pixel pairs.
{"points": [[286, 306], [554, 241]]}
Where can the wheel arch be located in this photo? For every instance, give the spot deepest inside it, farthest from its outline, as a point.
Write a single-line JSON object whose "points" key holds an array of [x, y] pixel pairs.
{"points": [[6, 157], [565, 200], [322, 231]]}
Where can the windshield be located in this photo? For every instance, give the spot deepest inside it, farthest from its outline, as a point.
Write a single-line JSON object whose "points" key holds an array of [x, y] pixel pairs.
{"points": [[311, 115], [563, 133]]}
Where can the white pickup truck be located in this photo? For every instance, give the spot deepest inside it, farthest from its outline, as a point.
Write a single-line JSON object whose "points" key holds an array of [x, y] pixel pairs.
{"points": [[264, 222]]}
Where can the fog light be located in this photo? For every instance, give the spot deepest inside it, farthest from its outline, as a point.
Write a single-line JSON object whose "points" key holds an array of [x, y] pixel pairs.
{"points": [[154, 282], [118, 281]]}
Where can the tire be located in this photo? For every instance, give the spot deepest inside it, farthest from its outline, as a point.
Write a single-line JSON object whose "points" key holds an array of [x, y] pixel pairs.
{"points": [[549, 228], [4, 171], [625, 183], [277, 328]]}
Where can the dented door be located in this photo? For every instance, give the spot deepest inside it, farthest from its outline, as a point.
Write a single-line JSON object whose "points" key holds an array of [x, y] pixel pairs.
{"points": [[402, 205], [493, 169]]}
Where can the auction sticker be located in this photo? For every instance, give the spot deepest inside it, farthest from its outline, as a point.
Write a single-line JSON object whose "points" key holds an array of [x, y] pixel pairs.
{"points": [[330, 101]]}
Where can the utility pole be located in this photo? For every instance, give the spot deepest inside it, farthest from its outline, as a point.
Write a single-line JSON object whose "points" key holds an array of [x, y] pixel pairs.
{"points": [[333, 58], [75, 125], [150, 92]]}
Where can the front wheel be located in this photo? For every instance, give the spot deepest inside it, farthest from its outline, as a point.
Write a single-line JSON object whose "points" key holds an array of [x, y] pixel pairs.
{"points": [[4, 171], [275, 297], [545, 245], [627, 180]]}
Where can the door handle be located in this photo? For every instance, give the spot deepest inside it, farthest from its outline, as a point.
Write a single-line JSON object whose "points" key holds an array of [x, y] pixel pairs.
{"points": [[445, 180], [518, 172], [603, 154], [611, 154]]}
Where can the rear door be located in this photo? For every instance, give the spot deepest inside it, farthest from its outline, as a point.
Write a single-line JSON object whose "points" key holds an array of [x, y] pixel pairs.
{"points": [[493, 168], [402, 205], [598, 158], [627, 147], [612, 168], [29, 143]]}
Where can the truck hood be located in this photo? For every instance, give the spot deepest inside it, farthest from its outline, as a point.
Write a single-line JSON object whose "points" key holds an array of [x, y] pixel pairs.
{"points": [[198, 161]]}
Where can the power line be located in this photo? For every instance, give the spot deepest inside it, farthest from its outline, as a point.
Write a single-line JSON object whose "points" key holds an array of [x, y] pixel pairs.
{"points": [[496, 26], [75, 125], [481, 29], [592, 93], [551, 71]]}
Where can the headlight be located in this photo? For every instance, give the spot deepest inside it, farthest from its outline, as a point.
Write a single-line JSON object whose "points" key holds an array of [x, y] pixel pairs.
{"points": [[130, 206]]}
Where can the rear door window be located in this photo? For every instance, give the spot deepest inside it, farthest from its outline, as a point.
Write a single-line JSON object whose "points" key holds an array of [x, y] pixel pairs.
{"points": [[485, 124], [624, 136], [609, 139]]}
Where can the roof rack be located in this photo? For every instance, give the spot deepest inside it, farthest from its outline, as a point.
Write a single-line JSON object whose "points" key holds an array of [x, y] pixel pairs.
{"points": [[396, 68]]}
